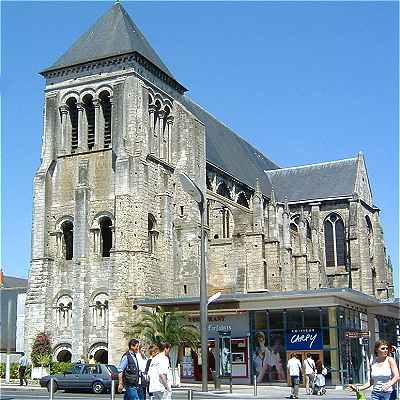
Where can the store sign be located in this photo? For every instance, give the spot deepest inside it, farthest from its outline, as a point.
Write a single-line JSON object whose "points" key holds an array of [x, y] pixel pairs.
{"points": [[304, 339], [357, 334]]}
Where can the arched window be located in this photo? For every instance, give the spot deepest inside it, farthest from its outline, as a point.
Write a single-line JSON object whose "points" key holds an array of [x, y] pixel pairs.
{"points": [[226, 223], [370, 236], [294, 233], [242, 200], [105, 103], [73, 120], [106, 236], [64, 312], [100, 311], [67, 229], [308, 230], [223, 190], [152, 233], [335, 243], [90, 119]]}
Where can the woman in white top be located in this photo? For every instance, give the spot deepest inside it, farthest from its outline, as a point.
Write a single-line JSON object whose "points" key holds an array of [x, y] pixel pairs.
{"points": [[383, 373]]}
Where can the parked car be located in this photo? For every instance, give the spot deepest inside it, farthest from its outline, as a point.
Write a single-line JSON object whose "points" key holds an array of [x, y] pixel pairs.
{"points": [[83, 377]]}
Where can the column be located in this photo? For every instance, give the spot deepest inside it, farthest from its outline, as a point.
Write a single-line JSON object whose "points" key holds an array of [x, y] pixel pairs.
{"points": [[170, 121], [64, 139], [161, 115], [152, 111], [98, 131], [82, 134]]}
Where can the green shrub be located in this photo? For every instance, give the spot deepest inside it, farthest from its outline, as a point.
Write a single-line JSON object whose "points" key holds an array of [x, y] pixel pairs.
{"points": [[2, 370], [41, 350], [14, 368], [60, 367]]}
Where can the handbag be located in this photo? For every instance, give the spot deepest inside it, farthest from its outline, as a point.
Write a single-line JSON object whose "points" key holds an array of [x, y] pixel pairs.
{"points": [[361, 395], [324, 371]]}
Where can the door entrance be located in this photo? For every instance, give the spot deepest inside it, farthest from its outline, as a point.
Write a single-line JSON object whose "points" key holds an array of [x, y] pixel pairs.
{"points": [[302, 355]]}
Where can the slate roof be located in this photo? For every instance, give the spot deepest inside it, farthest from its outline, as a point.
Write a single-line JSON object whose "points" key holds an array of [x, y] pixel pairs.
{"points": [[230, 153], [13, 282], [113, 34], [317, 181]]}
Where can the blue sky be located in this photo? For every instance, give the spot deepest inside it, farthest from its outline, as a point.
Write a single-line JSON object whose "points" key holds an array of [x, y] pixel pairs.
{"points": [[304, 82]]}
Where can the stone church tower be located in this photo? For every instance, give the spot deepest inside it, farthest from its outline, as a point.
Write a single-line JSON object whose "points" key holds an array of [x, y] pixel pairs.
{"points": [[111, 222]]}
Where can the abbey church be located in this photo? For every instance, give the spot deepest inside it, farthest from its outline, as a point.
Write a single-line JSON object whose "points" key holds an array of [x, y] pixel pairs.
{"points": [[112, 224]]}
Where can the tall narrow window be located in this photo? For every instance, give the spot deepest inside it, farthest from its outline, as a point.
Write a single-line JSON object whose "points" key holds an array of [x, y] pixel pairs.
{"points": [[90, 119], [105, 103], [73, 116], [152, 233], [106, 236], [370, 236], [226, 222], [68, 239], [335, 242]]}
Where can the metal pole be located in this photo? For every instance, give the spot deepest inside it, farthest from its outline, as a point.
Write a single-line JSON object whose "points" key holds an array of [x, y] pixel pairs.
{"points": [[203, 304], [112, 389], [190, 394], [255, 385], [51, 388]]}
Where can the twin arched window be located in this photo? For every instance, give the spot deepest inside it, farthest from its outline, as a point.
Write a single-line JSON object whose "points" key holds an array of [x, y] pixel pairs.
{"points": [[86, 125], [100, 311], [335, 241], [64, 312], [160, 133]]}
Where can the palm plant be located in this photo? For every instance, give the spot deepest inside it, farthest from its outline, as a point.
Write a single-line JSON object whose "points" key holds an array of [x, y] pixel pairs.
{"points": [[155, 326]]}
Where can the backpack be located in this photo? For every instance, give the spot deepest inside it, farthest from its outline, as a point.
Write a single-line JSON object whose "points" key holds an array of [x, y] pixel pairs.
{"points": [[131, 373]]}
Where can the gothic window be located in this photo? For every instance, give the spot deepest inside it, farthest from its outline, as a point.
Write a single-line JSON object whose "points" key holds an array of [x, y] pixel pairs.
{"points": [[106, 236], [67, 229], [208, 183], [223, 190], [242, 200], [105, 104], [152, 233], [226, 223], [370, 236], [100, 311], [73, 120], [335, 243], [294, 233], [88, 107], [308, 231], [64, 312]]}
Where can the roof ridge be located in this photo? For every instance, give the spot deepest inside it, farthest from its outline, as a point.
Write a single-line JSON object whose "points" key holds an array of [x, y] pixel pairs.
{"points": [[312, 165], [230, 129]]}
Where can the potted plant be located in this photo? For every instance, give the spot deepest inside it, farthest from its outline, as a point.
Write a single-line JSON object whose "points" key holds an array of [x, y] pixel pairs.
{"points": [[41, 355]]}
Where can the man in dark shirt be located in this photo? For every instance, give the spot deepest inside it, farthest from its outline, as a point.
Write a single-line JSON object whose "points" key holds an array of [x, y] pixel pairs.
{"points": [[131, 388]]}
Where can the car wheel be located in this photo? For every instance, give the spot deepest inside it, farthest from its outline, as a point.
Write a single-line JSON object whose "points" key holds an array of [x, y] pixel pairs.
{"points": [[98, 387], [55, 387]]}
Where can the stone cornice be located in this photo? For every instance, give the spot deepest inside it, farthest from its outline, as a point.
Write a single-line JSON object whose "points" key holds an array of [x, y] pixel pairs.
{"points": [[122, 61]]}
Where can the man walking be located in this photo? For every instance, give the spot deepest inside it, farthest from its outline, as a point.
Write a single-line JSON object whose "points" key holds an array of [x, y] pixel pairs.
{"points": [[160, 378], [294, 368], [309, 368], [23, 364], [129, 373]]}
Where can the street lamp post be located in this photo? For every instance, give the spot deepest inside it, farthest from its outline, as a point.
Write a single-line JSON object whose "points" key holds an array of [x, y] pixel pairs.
{"points": [[194, 191]]}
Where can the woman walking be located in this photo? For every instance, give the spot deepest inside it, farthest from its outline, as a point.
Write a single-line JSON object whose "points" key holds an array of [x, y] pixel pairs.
{"points": [[383, 373]]}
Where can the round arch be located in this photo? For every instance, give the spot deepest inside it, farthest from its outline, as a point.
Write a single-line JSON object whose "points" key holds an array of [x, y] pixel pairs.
{"points": [[62, 353], [99, 351]]}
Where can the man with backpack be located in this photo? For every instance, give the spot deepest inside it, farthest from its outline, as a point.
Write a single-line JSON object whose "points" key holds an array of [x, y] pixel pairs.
{"points": [[129, 372], [310, 372]]}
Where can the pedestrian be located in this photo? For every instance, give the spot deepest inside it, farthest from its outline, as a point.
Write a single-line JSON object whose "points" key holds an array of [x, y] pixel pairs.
{"points": [[160, 377], [142, 361], [129, 373], [309, 371], [394, 352], [383, 373], [320, 381], [153, 351], [23, 364], [294, 368], [92, 361]]}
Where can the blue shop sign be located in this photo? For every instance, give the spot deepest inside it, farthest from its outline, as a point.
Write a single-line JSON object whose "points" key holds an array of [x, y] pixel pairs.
{"points": [[304, 339]]}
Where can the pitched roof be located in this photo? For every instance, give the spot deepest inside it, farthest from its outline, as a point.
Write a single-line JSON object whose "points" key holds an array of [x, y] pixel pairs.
{"points": [[113, 34], [229, 152], [316, 181], [13, 282]]}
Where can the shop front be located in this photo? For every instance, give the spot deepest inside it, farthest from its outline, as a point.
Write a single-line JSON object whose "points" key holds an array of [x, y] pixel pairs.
{"points": [[336, 326]]}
